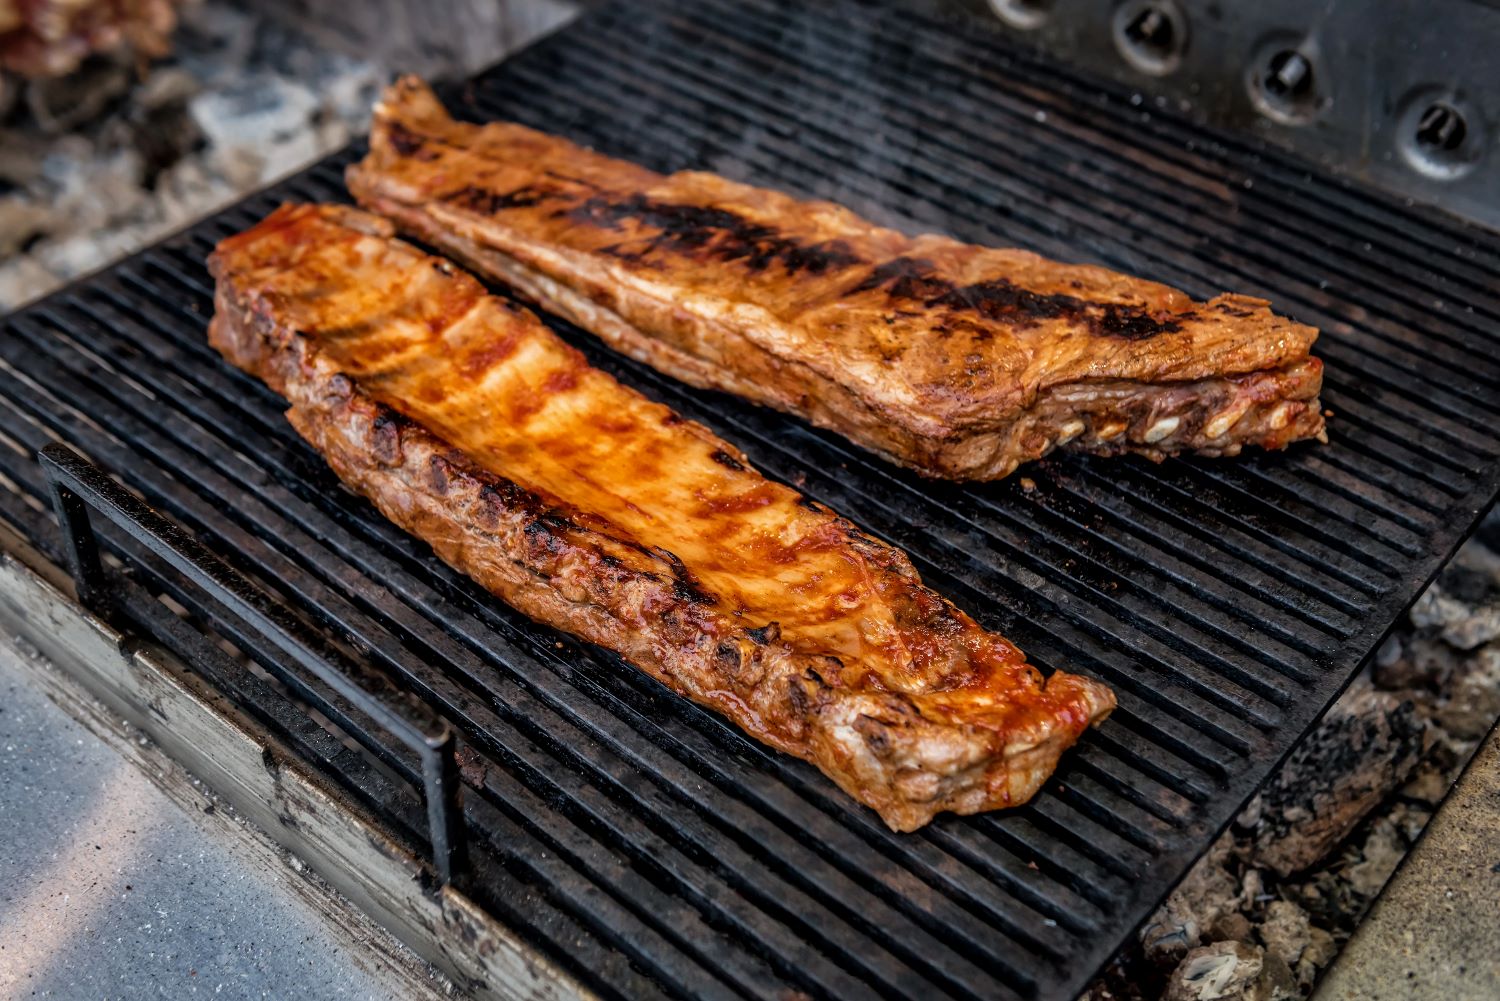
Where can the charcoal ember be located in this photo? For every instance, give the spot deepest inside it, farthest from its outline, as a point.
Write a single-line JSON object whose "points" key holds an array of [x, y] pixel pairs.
{"points": [[186, 188], [1391, 668], [1320, 950], [1231, 927], [1104, 991], [258, 126], [1125, 979], [22, 278], [90, 189], [432, 39], [1328, 898], [92, 197], [1363, 750], [1231, 971], [63, 103], [1410, 820], [166, 86], [157, 123], [1249, 817], [1277, 982], [1252, 888], [1427, 668], [1228, 970], [135, 163], [1460, 625], [1428, 784], [1448, 754], [1427, 664], [20, 158], [1338, 894]]}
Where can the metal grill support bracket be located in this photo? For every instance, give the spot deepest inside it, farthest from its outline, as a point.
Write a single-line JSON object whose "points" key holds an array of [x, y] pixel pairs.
{"points": [[77, 485]]}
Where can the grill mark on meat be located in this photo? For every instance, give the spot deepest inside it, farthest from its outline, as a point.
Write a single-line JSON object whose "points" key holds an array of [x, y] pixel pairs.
{"points": [[1228, 308], [905, 279], [762, 635], [486, 202], [908, 279], [702, 229], [403, 140], [408, 143], [685, 587], [387, 427], [493, 353], [726, 460]]}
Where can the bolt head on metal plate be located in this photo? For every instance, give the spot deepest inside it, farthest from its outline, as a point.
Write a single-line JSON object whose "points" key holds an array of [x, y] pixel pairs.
{"points": [[1286, 80], [1439, 134], [1151, 35]]}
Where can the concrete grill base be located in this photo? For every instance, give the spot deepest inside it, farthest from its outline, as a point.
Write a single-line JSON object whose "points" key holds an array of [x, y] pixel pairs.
{"points": [[147, 688]]}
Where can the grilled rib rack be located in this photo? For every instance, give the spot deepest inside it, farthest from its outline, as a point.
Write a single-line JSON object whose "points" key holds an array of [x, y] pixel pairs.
{"points": [[647, 847]]}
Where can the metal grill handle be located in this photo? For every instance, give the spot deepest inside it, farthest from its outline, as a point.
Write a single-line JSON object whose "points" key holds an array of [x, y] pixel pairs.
{"points": [[78, 485]]}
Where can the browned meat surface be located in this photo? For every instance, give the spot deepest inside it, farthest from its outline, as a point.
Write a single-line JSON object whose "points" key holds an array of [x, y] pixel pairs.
{"points": [[597, 511], [956, 360]]}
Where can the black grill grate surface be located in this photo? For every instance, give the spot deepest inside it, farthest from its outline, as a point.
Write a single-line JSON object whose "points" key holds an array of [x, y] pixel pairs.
{"points": [[649, 847]]}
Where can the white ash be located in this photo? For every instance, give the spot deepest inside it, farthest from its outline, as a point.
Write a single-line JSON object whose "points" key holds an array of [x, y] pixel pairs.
{"points": [[1231, 971], [1267, 909]]}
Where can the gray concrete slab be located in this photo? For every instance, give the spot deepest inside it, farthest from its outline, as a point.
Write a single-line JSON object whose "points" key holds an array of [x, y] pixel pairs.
{"points": [[108, 889], [1434, 934]]}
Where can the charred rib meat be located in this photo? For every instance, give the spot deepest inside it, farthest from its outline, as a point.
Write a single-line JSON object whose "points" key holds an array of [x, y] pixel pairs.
{"points": [[594, 510], [956, 360]]}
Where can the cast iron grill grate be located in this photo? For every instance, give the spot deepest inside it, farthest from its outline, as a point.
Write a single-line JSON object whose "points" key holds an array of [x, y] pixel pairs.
{"points": [[645, 845]]}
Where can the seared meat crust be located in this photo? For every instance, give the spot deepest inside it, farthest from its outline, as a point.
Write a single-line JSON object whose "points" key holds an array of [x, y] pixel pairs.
{"points": [[958, 361], [596, 511]]}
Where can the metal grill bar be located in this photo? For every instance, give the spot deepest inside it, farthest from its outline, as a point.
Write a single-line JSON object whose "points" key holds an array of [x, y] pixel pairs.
{"points": [[649, 847], [77, 486]]}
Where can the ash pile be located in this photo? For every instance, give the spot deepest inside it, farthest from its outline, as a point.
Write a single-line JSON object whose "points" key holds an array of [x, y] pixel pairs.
{"points": [[1266, 911], [113, 135]]}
